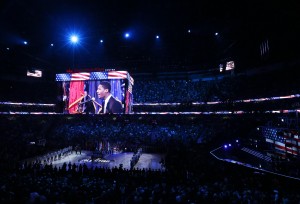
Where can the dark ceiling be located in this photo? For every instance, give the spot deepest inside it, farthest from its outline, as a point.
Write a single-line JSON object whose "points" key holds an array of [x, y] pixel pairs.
{"points": [[243, 27]]}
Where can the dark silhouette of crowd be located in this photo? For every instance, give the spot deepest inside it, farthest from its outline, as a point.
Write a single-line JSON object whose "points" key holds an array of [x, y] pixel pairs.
{"points": [[30, 144], [280, 82], [191, 175], [190, 94]]}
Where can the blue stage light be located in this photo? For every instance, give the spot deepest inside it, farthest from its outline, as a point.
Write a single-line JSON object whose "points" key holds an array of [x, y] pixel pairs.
{"points": [[74, 39], [126, 35]]}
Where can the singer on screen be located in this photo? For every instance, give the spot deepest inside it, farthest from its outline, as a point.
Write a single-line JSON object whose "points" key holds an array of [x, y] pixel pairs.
{"points": [[111, 104]]}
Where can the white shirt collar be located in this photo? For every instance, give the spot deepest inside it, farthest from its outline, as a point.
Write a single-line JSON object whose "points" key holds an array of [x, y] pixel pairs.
{"points": [[105, 102], [107, 99]]}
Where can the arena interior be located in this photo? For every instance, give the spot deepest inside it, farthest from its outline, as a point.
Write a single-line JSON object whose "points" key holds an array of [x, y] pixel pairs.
{"points": [[209, 97]]}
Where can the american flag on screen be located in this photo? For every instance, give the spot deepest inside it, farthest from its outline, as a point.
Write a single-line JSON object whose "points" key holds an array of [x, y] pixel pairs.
{"points": [[287, 142], [63, 77], [292, 142], [117, 74], [98, 75], [80, 76], [130, 88], [131, 80], [271, 135], [94, 76]]}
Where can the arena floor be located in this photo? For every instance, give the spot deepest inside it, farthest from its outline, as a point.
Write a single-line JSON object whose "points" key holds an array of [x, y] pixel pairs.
{"points": [[113, 160]]}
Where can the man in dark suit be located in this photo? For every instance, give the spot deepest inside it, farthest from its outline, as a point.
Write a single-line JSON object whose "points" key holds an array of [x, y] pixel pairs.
{"points": [[111, 104]]}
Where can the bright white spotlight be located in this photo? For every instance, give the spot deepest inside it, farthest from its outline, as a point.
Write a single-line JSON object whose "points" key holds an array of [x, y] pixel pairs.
{"points": [[216, 34], [51, 45], [101, 41], [7, 48], [157, 37], [189, 31], [74, 39], [25, 43], [127, 35]]}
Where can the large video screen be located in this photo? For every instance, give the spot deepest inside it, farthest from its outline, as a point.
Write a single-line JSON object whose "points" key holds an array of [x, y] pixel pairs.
{"points": [[84, 94]]}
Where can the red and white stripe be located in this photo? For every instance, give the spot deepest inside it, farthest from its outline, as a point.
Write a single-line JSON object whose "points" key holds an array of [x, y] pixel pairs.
{"points": [[130, 88], [131, 80], [292, 150], [291, 142], [80, 76], [279, 146], [117, 75]]}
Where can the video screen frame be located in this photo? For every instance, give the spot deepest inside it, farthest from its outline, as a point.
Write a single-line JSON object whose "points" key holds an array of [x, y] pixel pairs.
{"points": [[84, 92]]}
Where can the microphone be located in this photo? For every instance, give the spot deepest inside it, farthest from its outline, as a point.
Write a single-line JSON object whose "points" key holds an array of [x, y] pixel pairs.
{"points": [[92, 99]]}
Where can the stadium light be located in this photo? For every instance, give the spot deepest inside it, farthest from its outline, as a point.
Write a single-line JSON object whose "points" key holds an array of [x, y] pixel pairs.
{"points": [[25, 42], [157, 37], [101, 41], [127, 35], [74, 39]]}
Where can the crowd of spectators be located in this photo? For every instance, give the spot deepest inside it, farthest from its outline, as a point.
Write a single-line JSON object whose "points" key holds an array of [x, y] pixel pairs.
{"points": [[241, 86], [191, 174], [184, 92], [35, 135], [195, 95], [226, 106]]}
